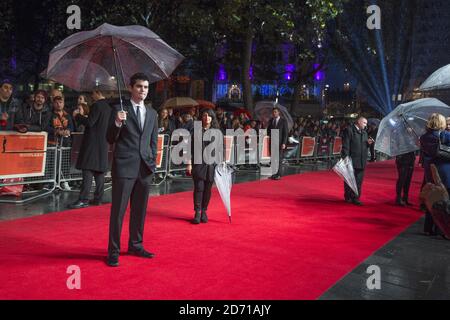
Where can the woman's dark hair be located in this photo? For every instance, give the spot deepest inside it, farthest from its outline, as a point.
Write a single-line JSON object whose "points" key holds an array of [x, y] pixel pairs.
{"points": [[212, 114]]}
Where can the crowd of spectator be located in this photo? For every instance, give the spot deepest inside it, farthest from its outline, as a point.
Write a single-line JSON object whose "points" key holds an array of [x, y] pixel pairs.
{"points": [[49, 112]]}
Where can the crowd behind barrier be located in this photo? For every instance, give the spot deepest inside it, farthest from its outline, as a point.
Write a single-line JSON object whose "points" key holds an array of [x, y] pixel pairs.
{"points": [[60, 161], [310, 140]]}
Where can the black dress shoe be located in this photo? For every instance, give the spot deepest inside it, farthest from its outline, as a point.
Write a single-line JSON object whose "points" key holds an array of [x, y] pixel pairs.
{"points": [[113, 261], [141, 253], [79, 204], [277, 177], [349, 200], [406, 202], [95, 202], [356, 202], [400, 203]]}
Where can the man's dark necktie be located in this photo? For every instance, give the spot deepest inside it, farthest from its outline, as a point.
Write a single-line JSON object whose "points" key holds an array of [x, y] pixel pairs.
{"points": [[138, 114]]}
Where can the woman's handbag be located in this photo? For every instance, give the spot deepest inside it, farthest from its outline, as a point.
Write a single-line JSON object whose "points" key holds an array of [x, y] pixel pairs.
{"points": [[443, 151]]}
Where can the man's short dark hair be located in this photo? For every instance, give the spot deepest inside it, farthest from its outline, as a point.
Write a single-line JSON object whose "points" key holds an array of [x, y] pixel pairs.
{"points": [[138, 76], [58, 98], [276, 108], [41, 92], [6, 81]]}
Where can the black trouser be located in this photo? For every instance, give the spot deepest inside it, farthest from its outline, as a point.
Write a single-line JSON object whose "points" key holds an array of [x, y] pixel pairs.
{"points": [[280, 166], [405, 173], [136, 191], [348, 192], [87, 183], [202, 194], [373, 155]]}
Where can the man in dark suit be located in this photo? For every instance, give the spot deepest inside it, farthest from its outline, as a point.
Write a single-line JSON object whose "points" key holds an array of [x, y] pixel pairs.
{"points": [[93, 156], [134, 133], [281, 124], [355, 145]]}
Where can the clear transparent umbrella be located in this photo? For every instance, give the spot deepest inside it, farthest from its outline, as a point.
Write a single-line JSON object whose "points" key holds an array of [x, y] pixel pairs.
{"points": [[439, 80], [224, 182], [399, 132], [263, 112], [108, 56], [344, 169]]}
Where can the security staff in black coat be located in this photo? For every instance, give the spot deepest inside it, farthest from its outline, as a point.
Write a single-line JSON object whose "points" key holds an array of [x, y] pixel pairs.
{"points": [[202, 174], [281, 124], [355, 144], [134, 133], [405, 167], [93, 156]]}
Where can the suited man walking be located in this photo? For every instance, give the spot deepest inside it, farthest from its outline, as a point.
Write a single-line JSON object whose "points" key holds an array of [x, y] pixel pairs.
{"points": [[355, 145], [134, 133], [93, 156], [281, 124]]}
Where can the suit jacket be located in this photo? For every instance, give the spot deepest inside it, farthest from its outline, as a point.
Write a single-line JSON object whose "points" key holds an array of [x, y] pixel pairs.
{"points": [[131, 145], [94, 148], [283, 133], [355, 144]]}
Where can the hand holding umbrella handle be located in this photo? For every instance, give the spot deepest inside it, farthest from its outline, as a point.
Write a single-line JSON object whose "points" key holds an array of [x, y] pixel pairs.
{"points": [[121, 117]]}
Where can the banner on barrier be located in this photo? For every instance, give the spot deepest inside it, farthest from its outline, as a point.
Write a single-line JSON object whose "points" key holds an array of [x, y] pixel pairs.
{"points": [[160, 152], [308, 146], [337, 146], [24, 154], [265, 155], [323, 147], [229, 144]]}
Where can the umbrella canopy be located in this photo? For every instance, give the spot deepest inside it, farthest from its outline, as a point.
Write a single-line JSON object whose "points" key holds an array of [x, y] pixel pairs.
{"points": [[180, 102], [439, 80], [206, 104], [224, 182], [399, 132], [263, 112], [344, 169], [110, 55]]}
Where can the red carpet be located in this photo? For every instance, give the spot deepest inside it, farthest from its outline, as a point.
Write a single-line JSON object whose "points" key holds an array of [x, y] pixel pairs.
{"points": [[290, 239]]}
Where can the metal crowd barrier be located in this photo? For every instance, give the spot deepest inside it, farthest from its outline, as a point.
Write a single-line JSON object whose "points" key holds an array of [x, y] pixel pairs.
{"points": [[60, 162], [161, 172], [48, 182]]}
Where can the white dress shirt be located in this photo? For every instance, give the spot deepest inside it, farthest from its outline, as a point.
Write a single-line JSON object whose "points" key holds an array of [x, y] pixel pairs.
{"points": [[142, 110], [276, 121]]}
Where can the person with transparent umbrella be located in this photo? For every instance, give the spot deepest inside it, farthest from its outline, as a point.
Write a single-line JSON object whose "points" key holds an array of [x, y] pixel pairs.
{"points": [[355, 144]]}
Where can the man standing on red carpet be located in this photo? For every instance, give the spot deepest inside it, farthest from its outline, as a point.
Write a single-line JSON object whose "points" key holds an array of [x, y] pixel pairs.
{"points": [[355, 144], [134, 133]]}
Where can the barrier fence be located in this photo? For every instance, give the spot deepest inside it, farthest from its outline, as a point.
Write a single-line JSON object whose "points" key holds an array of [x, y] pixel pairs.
{"points": [[60, 161]]}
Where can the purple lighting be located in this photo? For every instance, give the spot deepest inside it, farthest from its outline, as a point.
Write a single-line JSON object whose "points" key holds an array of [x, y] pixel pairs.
{"points": [[250, 73], [13, 63], [222, 75], [289, 68], [320, 75]]}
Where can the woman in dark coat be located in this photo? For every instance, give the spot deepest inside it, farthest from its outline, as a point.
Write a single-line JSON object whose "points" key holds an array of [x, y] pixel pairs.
{"points": [[429, 143], [203, 174]]}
